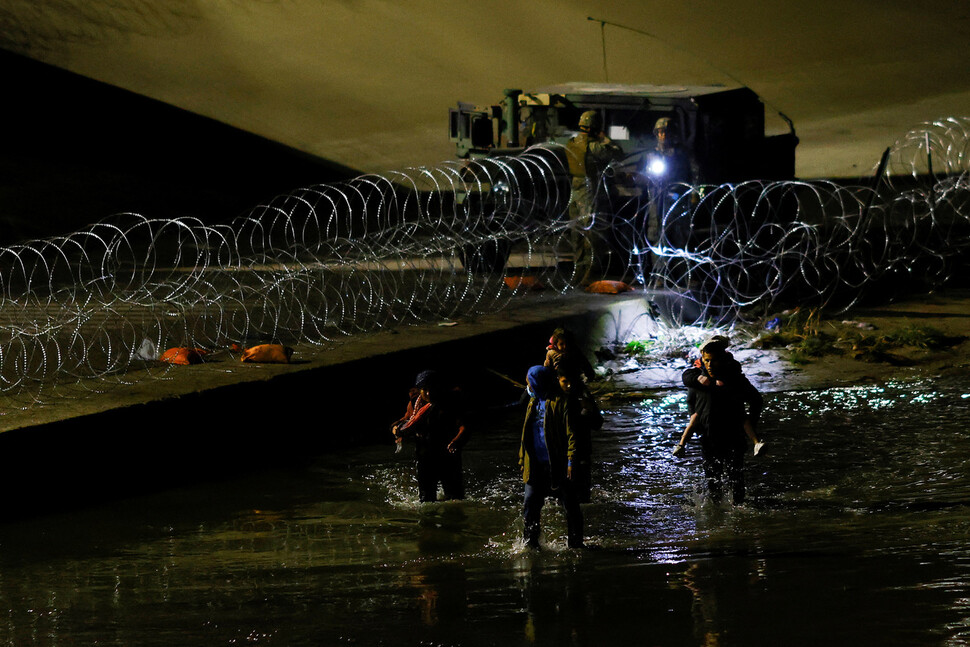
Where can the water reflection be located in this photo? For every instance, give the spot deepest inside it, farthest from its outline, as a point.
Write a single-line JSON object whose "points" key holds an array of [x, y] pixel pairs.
{"points": [[855, 533]]}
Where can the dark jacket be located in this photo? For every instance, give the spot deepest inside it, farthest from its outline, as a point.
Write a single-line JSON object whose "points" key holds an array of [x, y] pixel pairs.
{"points": [[585, 418], [436, 426], [722, 410]]}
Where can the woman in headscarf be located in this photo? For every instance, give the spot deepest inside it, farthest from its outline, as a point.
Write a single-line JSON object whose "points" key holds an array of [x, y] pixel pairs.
{"points": [[546, 453]]}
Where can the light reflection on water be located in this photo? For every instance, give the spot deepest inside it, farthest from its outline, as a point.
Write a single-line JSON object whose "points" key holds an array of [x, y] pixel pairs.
{"points": [[855, 533]]}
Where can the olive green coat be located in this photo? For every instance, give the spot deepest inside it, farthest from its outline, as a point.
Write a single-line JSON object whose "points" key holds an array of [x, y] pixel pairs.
{"points": [[560, 439]]}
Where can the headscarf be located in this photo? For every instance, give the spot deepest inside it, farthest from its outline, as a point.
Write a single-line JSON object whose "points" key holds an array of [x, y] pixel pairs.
{"points": [[542, 382]]}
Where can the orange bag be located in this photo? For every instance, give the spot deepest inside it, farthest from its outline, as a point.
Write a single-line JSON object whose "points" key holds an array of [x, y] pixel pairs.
{"points": [[523, 283], [608, 287], [183, 356], [268, 354]]}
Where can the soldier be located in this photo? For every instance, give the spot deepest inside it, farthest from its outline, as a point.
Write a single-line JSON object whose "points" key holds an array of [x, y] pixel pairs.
{"points": [[589, 154], [669, 170]]}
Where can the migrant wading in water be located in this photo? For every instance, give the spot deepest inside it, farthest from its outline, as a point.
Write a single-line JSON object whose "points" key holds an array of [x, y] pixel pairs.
{"points": [[573, 371], [584, 418], [727, 407], [546, 455], [434, 420]]}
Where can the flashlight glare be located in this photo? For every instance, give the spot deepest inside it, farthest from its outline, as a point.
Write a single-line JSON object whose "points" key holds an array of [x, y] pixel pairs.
{"points": [[657, 167]]}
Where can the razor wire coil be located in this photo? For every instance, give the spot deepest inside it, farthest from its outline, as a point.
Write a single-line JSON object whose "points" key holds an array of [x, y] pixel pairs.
{"points": [[92, 310]]}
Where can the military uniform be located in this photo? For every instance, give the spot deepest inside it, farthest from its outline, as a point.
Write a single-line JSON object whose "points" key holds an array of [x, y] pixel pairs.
{"points": [[589, 154]]}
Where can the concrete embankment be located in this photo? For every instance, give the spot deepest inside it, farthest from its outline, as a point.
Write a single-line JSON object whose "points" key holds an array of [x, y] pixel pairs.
{"points": [[228, 418]]}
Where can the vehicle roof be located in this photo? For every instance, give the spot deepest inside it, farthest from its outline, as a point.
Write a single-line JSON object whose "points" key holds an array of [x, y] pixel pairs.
{"points": [[640, 90]]}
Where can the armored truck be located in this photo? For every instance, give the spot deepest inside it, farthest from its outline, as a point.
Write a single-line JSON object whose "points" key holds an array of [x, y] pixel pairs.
{"points": [[722, 129]]}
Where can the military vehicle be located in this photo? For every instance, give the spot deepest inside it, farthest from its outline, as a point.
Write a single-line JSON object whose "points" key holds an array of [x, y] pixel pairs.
{"points": [[720, 129]]}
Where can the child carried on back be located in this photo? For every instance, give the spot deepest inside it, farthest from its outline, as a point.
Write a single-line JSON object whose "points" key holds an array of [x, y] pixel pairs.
{"points": [[563, 355], [720, 368]]}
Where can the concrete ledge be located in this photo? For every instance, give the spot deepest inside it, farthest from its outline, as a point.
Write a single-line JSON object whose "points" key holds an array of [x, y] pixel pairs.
{"points": [[597, 319], [201, 421]]}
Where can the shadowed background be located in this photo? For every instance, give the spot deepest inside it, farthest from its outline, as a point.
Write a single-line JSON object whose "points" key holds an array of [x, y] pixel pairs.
{"points": [[262, 96]]}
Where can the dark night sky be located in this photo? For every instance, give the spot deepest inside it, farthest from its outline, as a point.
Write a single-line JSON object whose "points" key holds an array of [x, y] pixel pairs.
{"points": [[367, 83]]}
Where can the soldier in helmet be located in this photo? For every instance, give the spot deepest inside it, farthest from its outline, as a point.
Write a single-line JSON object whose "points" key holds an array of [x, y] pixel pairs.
{"points": [[669, 172], [589, 154], [669, 151]]}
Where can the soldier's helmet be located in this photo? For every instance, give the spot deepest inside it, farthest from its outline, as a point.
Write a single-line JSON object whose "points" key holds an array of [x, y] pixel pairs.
{"points": [[663, 122], [589, 122]]}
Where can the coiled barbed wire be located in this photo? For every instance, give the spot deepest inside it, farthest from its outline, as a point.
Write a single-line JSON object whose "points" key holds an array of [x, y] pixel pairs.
{"points": [[753, 246], [93, 309]]}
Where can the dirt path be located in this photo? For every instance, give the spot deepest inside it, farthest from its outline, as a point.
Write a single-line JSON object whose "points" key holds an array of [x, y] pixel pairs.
{"points": [[865, 345]]}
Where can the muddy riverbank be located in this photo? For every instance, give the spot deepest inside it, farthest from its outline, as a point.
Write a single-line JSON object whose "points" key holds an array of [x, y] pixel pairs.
{"points": [[920, 336]]}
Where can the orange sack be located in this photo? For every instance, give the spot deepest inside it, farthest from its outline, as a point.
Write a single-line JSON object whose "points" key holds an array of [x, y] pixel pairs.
{"points": [[182, 356], [268, 354], [608, 287], [523, 282]]}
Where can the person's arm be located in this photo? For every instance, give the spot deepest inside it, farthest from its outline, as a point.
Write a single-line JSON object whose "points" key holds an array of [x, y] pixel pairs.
{"points": [[552, 358], [590, 411], [396, 427], [694, 378], [415, 418], [409, 428], [587, 368], [526, 430], [460, 438], [749, 431], [570, 442]]}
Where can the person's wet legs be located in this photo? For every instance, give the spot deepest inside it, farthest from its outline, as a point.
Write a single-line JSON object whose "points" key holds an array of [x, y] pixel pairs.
{"points": [[452, 481], [428, 477], [535, 496], [735, 474], [536, 491], [713, 473], [583, 481], [722, 464], [568, 495]]}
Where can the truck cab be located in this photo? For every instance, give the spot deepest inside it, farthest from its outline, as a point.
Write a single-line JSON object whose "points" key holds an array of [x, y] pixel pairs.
{"points": [[721, 129]]}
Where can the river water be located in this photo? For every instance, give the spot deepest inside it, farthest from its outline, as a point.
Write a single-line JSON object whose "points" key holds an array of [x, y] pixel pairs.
{"points": [[857, 532]]}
